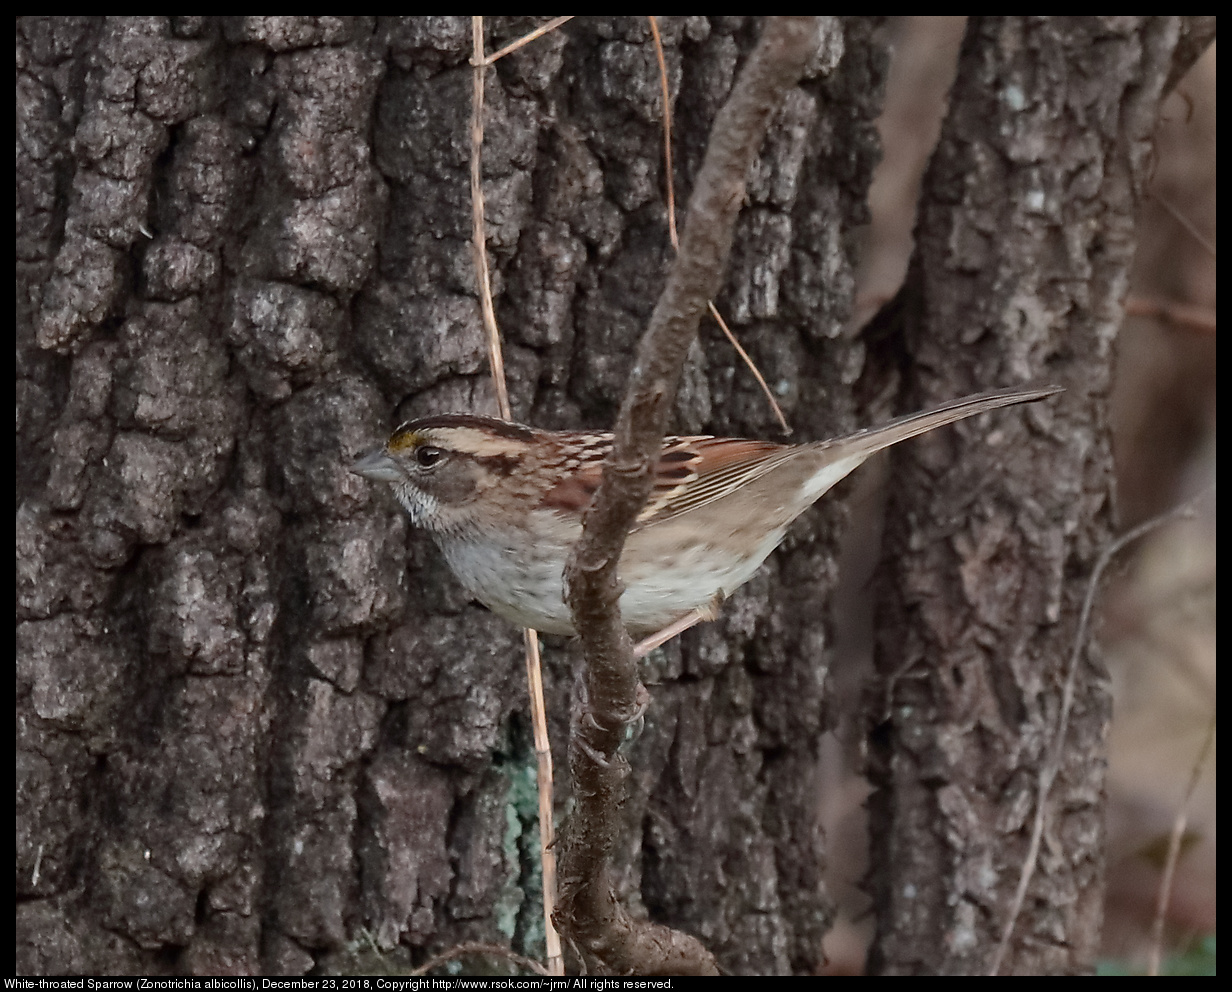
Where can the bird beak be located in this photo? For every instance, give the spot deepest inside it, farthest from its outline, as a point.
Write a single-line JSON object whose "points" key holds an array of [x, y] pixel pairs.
{"points": [[378, 466]]}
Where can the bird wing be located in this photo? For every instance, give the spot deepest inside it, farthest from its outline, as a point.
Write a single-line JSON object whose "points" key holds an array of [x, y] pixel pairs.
{"points": [[695, 471], [690, 472]]}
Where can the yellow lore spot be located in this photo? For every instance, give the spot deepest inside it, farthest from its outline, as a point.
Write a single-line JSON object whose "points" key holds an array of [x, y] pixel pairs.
{"points": [[404, 441]]}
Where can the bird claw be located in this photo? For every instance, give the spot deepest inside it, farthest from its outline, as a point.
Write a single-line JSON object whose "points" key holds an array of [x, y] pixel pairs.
{"points": [[597, 757]]}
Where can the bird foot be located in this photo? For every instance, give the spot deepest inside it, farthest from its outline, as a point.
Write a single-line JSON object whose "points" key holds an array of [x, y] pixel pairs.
{"points": [[701, 614]]}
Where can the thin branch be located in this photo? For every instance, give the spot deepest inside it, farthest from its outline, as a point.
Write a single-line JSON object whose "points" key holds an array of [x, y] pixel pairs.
{"points": [[1190, 227], [547, 827], [1056, 753], [671, 223], [1174, 851], [748, 360], [479, 243], [526, 39], [1185, 315], [534, 676], [668, 170], [589, 913]]}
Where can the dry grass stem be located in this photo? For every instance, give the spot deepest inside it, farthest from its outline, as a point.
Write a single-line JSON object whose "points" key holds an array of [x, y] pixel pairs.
{"points": [[778, 412], [479, 234], [526, 39], [534, 675], [546, 778], [669, 173]]}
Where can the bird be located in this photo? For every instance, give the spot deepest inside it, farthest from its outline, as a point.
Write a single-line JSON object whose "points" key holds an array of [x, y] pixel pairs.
{"points": [[505, 502]]}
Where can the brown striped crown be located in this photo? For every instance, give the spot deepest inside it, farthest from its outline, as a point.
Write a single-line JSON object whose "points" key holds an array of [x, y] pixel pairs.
{"points": [[460, 432]]}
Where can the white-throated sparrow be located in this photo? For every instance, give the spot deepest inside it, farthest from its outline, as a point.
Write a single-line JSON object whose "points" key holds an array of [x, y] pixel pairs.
{"points": [[505, 503]]}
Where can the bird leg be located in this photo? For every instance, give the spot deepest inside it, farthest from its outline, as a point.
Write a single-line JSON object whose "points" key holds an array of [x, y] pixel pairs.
{"points": [[700, 614]]}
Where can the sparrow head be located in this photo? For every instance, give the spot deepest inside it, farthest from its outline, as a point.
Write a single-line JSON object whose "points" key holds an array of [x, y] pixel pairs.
{"points": [[445, 469]]}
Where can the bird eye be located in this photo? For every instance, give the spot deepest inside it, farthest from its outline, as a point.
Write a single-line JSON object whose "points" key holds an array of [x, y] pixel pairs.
{"points": [[427, 456]]}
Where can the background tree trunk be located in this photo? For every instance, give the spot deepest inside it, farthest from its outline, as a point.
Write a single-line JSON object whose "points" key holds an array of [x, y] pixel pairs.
{"points": [[259, 725], [1023, 246]]}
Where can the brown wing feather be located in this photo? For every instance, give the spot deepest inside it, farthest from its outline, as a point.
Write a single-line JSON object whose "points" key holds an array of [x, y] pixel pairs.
{"points": [[574, 493], [691, 472], [581, 471], [694, 471]]}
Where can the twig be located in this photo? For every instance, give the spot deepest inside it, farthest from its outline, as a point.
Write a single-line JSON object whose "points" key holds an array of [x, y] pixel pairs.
{"points": [[671, 222], [1052, 764], [1187, 315], [1190, 227], [526, 39], [1174, 851], [479, 244], [547, 828], [589, 913], [668, 170], [774, 405], [479, 948], [534, 675]]}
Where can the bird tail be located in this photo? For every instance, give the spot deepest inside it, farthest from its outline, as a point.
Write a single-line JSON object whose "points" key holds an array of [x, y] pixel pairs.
{"points": [[921, 423]]}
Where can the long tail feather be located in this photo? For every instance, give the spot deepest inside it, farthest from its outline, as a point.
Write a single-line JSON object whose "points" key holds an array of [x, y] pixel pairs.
{"points": [[921, 423]]}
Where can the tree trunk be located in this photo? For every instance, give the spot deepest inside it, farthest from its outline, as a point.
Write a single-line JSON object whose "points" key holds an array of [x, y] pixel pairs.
{"points": [[1023, 246], [259, 726]]}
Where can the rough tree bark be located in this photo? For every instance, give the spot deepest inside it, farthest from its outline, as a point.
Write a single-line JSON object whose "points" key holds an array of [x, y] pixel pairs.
{"points": [[1023, 246], [258, 725]]}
